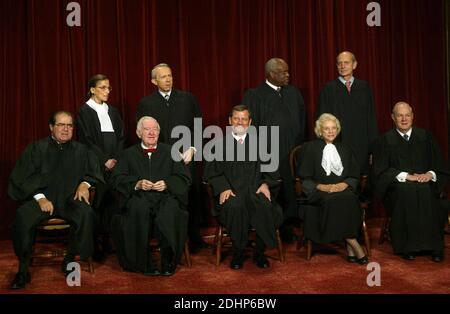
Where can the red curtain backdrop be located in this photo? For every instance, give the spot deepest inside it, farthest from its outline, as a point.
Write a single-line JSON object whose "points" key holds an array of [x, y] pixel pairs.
{"points": [[217, 50]]}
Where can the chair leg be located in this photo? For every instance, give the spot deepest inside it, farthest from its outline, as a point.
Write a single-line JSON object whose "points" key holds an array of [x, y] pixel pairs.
{"points": [[187, 256], [384, 230], [366, 237], [219, 235], [91, 265], [308, 249], [280, 246]]}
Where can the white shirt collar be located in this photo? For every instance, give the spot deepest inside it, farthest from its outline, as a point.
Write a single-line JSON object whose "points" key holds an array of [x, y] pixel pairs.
{"points": [[407, 133], [237, 138], [164, 93], [273, 86], [102, 107], [352, 79]]}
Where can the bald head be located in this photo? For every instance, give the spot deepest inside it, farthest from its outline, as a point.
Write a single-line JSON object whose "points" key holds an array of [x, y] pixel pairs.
{"points": [[277, 72], [403, 116], [346, 63], [346, 54]]}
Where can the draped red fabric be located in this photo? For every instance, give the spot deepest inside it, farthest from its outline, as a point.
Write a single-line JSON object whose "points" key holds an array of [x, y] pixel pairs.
{"points": [[217, 50]]}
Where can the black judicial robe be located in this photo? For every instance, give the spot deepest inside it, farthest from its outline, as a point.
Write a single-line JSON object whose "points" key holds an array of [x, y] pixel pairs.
{"points": [[104, 147], [356, 112], [417, 218], [181, 109], [288, 113], [55, 170], [329, 217], [142, 209], [89, 132], [247, 208]]}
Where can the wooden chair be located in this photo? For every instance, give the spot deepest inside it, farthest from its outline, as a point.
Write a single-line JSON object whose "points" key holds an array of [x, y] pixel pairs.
{"points": [[51, 232], [294, 159], [221, 233]]}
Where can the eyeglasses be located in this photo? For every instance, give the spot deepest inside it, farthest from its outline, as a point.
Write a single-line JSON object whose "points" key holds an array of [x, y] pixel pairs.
{"points": [[63, 125], [104, 88]]}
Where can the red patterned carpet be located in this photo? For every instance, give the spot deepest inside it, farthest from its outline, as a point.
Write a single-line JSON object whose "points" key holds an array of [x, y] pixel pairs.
{"points": [[327, 272]]}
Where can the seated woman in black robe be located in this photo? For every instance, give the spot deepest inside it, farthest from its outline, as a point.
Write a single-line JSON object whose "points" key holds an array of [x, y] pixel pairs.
{"points": [[330, 174]]}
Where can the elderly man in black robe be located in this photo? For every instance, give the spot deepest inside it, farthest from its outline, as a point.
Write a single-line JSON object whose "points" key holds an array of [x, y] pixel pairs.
{"points": [[243, 191], [277, 103], [171, 108], [155, 194], [351, 101], [407, 165], [52, 178]]}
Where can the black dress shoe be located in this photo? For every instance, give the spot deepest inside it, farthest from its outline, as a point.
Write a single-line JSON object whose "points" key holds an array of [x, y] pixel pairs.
{"points": [[409, 256], [153, 271], [352, 259], [363, 260], [20, 280], [168, 269], [261, 261], [237, 262], [437, 257]]}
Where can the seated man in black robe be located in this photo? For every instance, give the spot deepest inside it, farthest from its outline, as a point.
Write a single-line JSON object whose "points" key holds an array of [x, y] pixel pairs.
{"points": [[52, 178], [407, 164], [243, 191], [155, 190]]}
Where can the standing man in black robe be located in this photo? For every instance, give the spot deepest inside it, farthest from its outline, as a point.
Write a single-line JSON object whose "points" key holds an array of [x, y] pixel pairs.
{"points": [[155, 194], [171, 108], [52, 178], [243, 192], [276, 103], [351, 101], [407, 164]]}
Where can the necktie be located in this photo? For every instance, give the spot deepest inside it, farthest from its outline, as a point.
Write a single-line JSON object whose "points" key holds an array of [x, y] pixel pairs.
{"points": [[406, 137], [241, 141], [166, 97], [279, 91], [148, 150], [348, 85]]}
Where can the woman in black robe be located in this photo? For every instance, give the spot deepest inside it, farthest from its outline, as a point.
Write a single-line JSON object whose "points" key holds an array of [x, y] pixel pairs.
{"points": [[100, 127], [330, 174]]}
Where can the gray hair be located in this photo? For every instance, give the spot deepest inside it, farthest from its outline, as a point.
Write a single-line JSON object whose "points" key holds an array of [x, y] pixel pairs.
{"points": [[400, 103], [161, 65], [141, 122], [326, 117]]}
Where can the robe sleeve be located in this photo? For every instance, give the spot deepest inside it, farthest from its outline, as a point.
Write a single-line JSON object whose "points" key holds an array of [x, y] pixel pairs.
{"points": [[85, 136], [305, 169], [251, 100], [26, 180], [121, 179], [372, 131], [353, 174], [179, 181], [215, 176], [384, 174], [94, 174], [323, 103]]}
